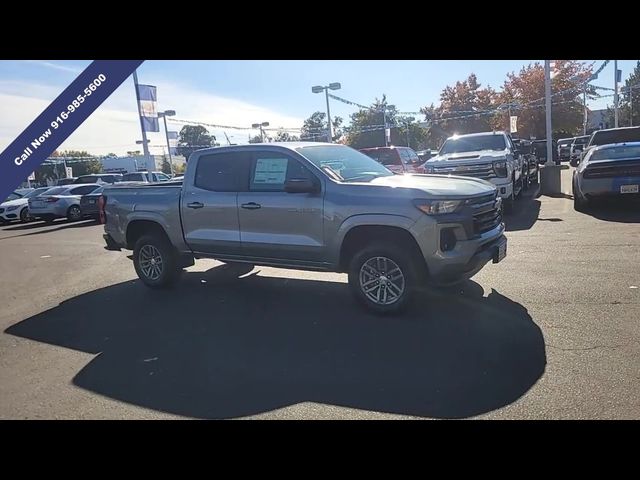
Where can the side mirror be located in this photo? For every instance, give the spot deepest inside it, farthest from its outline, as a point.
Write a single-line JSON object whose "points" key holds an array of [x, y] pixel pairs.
{"points": [[300, 185]]}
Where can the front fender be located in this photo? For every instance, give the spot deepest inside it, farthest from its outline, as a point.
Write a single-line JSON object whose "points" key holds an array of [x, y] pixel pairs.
{"points": [[383, 220]]}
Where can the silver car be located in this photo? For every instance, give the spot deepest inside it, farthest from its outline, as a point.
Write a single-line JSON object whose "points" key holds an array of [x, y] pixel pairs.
{"points": [[607, 171], [60, 202]]}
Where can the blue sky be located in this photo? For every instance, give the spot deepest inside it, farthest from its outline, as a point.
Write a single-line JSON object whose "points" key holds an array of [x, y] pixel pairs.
{"points": [[241, 92]]}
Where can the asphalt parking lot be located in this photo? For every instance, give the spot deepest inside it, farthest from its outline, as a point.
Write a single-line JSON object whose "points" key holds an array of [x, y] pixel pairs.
{"points": [[551, 332]]}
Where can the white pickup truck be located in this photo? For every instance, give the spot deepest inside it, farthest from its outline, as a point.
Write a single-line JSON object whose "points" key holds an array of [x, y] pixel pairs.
{"points": [[491, 156]]}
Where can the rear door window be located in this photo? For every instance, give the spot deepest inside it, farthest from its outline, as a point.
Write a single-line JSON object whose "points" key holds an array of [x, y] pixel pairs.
{"points": [[222, 172]]}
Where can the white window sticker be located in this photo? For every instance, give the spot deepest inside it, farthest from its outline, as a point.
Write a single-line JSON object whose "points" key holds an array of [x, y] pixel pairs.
{"points": [[270, 171]]}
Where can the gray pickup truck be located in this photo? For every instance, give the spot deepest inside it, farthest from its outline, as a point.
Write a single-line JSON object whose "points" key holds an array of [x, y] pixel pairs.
{"points": [[310, 206]]}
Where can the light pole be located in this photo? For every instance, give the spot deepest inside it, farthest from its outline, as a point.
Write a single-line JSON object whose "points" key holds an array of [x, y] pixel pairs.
{"points": [[615, 93], [318, 89], [407, 123], [384, 121], [260, 125], [164, 115]]}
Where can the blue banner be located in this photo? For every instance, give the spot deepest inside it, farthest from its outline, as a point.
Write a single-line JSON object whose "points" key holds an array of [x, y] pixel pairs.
{"points": [[60, 119], [148, 99]]}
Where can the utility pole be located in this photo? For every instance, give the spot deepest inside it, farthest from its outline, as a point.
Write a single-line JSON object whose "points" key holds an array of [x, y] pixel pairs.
{"points": [[145, 145], [550, 175], [615, 94], [547, 102], [584, 101]]}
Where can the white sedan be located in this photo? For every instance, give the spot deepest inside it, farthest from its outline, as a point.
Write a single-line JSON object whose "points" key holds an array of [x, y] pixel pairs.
{"points": [[17, 206]]}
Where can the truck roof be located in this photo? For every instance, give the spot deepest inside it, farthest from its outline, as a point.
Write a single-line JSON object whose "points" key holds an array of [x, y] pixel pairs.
{"points": [[497, 132], [272, 145]]}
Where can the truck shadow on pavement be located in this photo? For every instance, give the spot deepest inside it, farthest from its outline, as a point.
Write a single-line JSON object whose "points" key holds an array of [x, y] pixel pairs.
{"points": [[525, 213], [220, 346]]}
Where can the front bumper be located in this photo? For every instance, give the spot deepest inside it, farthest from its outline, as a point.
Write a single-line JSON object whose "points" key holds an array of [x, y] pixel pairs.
{"points": [[12, 215], [454, 272], [504, 186]]}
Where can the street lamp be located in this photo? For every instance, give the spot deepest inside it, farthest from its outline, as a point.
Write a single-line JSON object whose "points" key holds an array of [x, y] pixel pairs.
{"points": [[146, 143], [260, 125], [408, 121], [318, 89], [387, 138], [164, 115]]}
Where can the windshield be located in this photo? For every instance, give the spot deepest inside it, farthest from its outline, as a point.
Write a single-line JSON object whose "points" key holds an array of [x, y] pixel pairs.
{"points": [[36, 192], [344, 163], [581, 140], [473, 144], [13, 196], [565, 142], [616, 153], [604, 137]]}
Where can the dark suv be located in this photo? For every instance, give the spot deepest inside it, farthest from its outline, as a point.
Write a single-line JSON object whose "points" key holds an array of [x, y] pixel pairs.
{"points": [[396, 159]]}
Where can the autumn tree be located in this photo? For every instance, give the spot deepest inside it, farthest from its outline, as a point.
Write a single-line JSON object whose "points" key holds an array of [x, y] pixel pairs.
{"points": [[464, 108], [523, 95]]}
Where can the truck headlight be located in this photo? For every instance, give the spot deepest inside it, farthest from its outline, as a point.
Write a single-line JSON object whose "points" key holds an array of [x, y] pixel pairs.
{"points": [[437, 207], [12, 208], [500, 168]]}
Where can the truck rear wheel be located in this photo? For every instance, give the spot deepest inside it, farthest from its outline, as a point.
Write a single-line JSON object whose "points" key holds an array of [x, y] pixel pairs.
{"points": [[155, 261], [382, 279]]}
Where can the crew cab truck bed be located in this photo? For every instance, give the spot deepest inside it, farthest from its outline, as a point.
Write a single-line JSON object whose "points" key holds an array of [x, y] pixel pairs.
{"points": [[310, 206]]}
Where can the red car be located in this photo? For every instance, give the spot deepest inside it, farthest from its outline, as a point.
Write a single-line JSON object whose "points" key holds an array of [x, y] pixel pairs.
{"points": [[396, 159]]}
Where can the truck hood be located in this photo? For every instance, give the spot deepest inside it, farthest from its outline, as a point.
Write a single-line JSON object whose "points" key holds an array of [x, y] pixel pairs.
{"points": [[438, 185], [469, 157], [17, 201]]}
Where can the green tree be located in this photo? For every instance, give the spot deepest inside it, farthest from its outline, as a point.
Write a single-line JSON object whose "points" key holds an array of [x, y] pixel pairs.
{"points": [[166, 166], [256, 139], [282, 136], [192, 138], [626, 102], [367, 126], [314, 128], [525, 92], [81, 162]]}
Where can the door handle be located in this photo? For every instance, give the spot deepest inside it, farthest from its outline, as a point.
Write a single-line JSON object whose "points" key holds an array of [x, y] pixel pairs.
{"points": [[195, 205], [251, 206]]}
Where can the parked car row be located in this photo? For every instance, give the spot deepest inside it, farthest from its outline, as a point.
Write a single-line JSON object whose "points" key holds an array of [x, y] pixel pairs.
{"points": [[609, 167], [511, 165], [111, 178]]}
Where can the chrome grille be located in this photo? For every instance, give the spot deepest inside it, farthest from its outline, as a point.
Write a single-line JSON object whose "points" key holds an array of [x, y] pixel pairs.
{"points": [[484, 170], [487, 213]]}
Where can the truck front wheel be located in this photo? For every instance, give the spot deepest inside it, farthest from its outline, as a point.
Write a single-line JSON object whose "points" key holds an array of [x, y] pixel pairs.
{"points": [[155, 261], [382, 279]]}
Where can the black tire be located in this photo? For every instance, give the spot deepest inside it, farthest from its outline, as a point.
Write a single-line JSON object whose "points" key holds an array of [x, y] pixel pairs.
{"points": [[74, 213], [536, 177], [24, 215], [158, 246], [580, 204], [397, 260]]}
